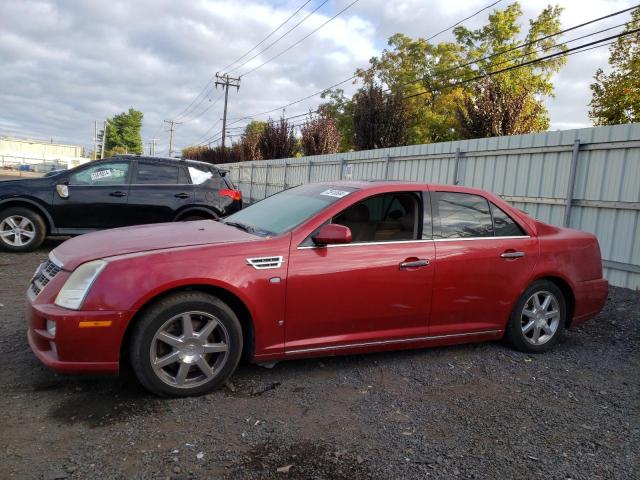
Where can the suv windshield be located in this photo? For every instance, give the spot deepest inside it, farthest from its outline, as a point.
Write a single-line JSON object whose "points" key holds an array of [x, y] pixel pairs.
{"points": [[285, 210]]}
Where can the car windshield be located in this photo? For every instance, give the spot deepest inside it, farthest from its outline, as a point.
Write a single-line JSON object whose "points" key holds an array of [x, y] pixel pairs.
{"points": [[285, 210]]}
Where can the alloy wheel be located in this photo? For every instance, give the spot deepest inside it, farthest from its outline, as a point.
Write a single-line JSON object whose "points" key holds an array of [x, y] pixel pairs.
{"points": [[17, 231], [189, 349], [540, 318]]}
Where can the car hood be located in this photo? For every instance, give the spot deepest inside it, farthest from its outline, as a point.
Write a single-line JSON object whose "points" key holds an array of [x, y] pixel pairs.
{"points": [[143, 238], [23, 182]]}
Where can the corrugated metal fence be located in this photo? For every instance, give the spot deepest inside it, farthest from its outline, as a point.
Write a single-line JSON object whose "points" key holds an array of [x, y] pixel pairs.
{"points": [[588, 179]]}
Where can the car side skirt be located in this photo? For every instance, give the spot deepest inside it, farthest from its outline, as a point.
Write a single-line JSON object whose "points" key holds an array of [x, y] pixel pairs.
{"points": [[386, 345]]}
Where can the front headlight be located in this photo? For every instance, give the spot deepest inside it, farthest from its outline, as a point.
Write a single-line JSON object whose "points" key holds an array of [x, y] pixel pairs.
{"points": [[78, 284]]}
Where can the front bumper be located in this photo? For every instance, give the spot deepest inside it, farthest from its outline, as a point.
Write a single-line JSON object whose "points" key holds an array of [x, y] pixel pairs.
{"points": [[84, 342]]}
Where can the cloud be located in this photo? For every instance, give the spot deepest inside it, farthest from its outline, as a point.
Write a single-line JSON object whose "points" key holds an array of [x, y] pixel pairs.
{"points": [[68, 63]]}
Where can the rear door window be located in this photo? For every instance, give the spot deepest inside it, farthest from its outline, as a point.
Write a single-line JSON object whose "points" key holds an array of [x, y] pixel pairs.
{"points": [[504, 225], [156, 174], [462, 215]]}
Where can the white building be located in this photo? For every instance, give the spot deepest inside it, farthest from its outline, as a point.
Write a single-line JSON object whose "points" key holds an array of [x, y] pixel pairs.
{"points": [[38, 155]]}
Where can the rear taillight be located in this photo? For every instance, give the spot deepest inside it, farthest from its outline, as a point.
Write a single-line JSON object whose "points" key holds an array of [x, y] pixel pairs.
{"points": [[232, 194]]}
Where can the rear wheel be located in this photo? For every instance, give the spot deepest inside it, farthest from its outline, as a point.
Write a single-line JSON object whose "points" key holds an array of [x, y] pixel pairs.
{"points": [[21, 229], [537, 321], [186, 344]]}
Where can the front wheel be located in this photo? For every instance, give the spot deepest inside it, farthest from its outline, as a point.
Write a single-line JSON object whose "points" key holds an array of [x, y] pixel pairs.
{"points": [[537, 321], [21, 229], [186, 344]]}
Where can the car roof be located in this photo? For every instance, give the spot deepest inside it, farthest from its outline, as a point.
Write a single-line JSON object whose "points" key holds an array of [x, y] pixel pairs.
{"points": [[163, 159], [379, 184]]}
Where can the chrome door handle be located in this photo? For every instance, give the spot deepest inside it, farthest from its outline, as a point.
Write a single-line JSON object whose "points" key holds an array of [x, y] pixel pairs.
{"points": [[414, 264], [118, 194], [512, 254], [182, 195]]}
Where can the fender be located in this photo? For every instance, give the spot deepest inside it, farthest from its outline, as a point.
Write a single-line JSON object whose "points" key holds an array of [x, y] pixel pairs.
{"points": [[40, 208]]}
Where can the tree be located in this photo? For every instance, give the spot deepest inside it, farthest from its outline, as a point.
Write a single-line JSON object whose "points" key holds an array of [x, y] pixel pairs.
{"points": [[277, 140], [249, 140], [214, 155], [616, 96], [320, 135], [412, 67], [510, 102], [380, 119], [340, 108], [491, 110], [123, 133]]}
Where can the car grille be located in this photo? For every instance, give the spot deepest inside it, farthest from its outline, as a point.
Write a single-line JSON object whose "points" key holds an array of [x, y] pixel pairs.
{"points": [[46, 273]]}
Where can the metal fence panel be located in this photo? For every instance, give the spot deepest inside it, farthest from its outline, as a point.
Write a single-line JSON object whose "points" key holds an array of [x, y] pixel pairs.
{"points": [[598, 167]]}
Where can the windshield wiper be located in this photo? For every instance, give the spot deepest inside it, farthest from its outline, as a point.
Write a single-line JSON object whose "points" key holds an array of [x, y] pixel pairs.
{"points": [[241, 226]]}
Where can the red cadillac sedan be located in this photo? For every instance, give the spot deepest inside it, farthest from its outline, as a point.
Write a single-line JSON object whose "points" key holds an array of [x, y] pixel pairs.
{"points": [[320, 269]]}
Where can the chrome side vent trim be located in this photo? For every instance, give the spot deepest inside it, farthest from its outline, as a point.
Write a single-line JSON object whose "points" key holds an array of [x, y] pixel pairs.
{"points": [[263, 263]]}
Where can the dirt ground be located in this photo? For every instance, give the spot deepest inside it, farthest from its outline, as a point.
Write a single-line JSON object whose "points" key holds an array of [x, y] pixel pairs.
{"points": [[472, 412]]}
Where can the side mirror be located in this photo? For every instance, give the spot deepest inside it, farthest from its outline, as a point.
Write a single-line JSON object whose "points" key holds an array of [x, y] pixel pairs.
{"points": [[333, 234], [63, 190]]}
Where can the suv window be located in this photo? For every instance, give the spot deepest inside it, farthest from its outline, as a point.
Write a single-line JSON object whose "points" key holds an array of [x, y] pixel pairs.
{"points": [[201, 175], [504, 225], [383, 218], [156, 174], [113, 173], [462, 215]]}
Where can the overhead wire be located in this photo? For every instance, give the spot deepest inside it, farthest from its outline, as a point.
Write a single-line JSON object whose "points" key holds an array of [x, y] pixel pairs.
{"points": [[237, 67]]}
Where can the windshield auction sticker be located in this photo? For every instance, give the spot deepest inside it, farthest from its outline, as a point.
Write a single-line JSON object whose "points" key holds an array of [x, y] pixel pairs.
{"points": [[335, 193]]}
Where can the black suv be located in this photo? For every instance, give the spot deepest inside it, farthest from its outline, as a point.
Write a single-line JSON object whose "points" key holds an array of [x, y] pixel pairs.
{"points": [[114, 192]]}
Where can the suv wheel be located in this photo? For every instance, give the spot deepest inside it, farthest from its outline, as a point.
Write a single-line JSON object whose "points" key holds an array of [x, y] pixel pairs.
{"points": [[186, 344], [21, 229], [537, 321]]}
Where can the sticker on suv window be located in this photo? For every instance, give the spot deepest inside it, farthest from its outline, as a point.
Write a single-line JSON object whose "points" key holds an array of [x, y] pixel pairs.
{"points": [[335, 193], [97, 175]]}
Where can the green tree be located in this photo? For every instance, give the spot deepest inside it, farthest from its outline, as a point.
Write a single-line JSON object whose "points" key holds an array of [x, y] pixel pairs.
{"points": [[340, 107], [616, 96], [123, 133], [430, 78], [250, 138], [510, 102], [412, 67]]}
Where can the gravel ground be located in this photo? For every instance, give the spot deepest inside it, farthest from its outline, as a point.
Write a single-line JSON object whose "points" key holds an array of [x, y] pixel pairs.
{"points": [[474, 411]]}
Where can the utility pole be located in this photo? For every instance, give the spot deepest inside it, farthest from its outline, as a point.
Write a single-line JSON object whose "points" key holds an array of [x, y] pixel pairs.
{"points": [[152, 147], [95, 138], [104, 138], [226, 81], [172, 124]]}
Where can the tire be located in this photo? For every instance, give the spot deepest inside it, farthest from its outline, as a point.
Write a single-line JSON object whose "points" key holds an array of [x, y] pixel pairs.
{"points": [[531, 320], [160, 334], [30, 227], [193, 218]]}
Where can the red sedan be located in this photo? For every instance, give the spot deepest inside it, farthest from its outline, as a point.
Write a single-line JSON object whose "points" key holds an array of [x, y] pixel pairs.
{"points": [[320, 269]]}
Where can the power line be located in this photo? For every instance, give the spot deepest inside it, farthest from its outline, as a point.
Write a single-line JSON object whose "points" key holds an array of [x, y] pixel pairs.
{"points": [[209, 107], [493, 55], [572, 51], [530, 62], [463, 20], [301, 40], [267, 37]]}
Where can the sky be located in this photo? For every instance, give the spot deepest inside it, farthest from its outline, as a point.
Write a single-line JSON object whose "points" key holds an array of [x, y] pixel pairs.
{"points": [[67, 63]]}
